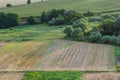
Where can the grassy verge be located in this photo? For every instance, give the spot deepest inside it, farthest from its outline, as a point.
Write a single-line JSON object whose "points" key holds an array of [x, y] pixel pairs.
{"points": [[53, 75], [31, 33], [117, 49]]}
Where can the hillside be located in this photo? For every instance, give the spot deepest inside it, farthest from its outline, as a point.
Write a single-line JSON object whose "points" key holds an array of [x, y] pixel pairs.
{"points": [[78, 5]]}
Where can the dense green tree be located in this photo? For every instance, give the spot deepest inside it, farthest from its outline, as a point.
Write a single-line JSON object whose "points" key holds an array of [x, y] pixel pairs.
{"points": [[32, 20], [77, 34], [106, 27], [106, 39], [95, 36], [80, 23], [28, 1], [68, 31], [8, 20]]}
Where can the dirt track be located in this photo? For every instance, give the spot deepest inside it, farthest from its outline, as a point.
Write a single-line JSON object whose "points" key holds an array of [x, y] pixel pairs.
{"points": [[101, 76]]}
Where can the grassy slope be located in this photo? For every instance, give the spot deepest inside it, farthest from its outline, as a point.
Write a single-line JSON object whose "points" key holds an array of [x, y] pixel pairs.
{"points": [[54, 75], [31, 32], [78, 5], [117, 49]]}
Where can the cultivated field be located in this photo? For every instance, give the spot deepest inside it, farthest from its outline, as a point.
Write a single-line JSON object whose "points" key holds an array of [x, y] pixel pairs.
{"points": [[11, 76], [56, 55], [101, 76]]}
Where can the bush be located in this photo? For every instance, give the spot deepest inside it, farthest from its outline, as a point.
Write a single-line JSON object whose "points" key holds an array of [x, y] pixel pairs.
{"points": [[106, 27], [68, 31], [47, 16], [55, 13], [12, 20], [77, 34], [32, 20], [106, 39], [8, 20], [80, 23], [56, 21], [70, 16], [95, 36], [43, 17], [9, 5], [118, 40], [28, 1], [113, 40], [116, 27], [87, 14]]}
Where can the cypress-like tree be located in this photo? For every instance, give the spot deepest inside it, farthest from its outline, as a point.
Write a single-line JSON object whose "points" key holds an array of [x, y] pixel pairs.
{"points": [[28, 1]]}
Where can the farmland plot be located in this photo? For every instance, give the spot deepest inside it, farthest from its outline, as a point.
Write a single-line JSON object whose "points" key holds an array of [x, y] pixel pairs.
{"points": [[80, 56], [101, 76], [20, 56], [11, 76], [57, 55]]}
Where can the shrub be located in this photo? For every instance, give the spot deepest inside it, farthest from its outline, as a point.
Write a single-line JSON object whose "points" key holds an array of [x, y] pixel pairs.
{"points": [[106, 39], [116, 27], [95, 36], [8, 20], [43, 17], [47, 16], [106, 27], [32, 20], [12, 20], [55, 13], [9, 5], [118, 40], [77, 34], [113, 40], [87, 14], [71, 15], [56, 21], [68, 31], [80, 23], [28, 1]]}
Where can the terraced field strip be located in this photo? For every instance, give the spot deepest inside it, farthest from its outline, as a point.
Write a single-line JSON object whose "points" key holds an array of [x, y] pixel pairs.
{"points": [[101, 76], [79, 56], [11, 76], [57, 55], [21, 56]]}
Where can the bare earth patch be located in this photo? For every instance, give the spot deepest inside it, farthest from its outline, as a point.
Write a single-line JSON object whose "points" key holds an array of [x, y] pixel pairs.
{"points": [[11, 76], [101, 76], [57, 55]]}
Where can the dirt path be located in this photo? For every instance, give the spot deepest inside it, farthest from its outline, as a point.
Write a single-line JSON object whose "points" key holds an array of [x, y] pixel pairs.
{"points": [[101, 76]]}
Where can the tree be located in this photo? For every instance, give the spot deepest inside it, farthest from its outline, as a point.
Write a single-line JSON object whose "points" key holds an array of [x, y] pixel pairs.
{"points": [[28, 1], [68, 31], [31, 20], [43, 18], [95, 36], [77, 34], [106, 27], [113, 40], [12, 20], [106, 39], [80, 23], [8, 20], [9, 5]]}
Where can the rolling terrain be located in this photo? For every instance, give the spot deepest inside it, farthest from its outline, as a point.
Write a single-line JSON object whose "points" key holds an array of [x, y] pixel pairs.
{"points": [[77, 5]]}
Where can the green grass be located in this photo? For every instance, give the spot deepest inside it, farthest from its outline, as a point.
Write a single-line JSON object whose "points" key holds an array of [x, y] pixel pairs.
{"points": [[53, 75], [31, 33], [78, 5], [117, 50]]}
